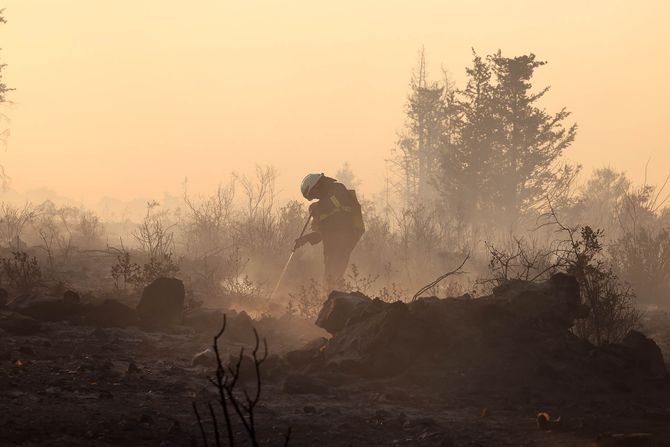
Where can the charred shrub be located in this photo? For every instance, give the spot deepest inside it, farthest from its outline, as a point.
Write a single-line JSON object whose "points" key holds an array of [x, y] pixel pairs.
{"points": [[22, 272], [357, 281], [127, 273], [237, 402], [580, 253], [612, 302], [159, 266], [307, 301]]}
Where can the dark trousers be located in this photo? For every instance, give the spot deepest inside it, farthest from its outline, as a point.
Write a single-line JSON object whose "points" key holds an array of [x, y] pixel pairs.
{"points": [[336, 254]]}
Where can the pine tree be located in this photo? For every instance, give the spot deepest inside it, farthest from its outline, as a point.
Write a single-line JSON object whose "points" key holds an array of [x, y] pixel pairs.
{"points": [[417, 152], [530, 141], [503, 159], [468, 149]]}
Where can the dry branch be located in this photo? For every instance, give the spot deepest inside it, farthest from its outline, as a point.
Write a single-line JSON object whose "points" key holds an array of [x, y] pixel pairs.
{"points": [[456, 271]]}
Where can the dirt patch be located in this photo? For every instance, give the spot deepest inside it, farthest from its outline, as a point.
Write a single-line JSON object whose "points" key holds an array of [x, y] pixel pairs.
{"points": [[481, 382]]}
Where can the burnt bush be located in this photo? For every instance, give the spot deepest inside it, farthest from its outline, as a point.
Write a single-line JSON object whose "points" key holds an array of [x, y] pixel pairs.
{"points": [[21, 272], [578, 251]]}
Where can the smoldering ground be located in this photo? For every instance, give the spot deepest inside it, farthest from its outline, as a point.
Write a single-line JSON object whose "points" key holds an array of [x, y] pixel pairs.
{"points": [[496, 298]]}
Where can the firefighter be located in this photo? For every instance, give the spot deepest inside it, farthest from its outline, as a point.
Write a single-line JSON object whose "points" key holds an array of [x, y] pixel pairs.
{"points": [[337, 221]]}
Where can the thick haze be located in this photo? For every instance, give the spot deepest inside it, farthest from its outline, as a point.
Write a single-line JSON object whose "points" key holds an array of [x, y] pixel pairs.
{"points": [[127, 98]]}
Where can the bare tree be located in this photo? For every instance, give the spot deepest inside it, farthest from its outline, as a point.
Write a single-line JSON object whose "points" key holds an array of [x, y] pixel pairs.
{"points": [[416, 155], [256, 228], [154, 234], [4, 133], [12, 222], [208, 221]]}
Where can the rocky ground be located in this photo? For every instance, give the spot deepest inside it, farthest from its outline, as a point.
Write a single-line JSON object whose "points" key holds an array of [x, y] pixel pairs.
{"points": [[76, 382]]}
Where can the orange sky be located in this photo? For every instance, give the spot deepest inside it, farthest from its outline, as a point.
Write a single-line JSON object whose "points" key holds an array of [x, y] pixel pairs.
{"points": [[127, 98]]}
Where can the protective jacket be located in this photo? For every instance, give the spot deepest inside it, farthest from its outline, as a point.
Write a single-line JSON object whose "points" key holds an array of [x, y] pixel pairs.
{"points": [[338, 214], [337, 218]]}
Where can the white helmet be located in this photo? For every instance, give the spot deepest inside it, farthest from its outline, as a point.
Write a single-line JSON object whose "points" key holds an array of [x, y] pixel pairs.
{"points": [[308, 183]]}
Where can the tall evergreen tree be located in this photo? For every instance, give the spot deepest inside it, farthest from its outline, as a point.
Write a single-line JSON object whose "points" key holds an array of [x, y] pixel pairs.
{"points": [[504, 156], [530, 141], [418, 149], [468, 149]]}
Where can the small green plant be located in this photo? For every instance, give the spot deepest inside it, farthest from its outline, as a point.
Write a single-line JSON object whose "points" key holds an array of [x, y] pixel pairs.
{"points": [[307, 302], [358, 282], [392, 293]]}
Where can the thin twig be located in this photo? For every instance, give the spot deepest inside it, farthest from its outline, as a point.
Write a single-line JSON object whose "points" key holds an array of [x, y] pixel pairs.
{"points": [[288, 437], [202, 429], [440, 278], [217, 438]]}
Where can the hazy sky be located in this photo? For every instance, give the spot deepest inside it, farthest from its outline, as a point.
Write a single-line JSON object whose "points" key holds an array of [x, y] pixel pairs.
{"points": [[127, 98]]}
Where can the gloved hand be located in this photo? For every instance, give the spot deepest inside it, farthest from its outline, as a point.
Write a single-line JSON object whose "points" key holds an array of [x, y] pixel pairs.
{"points": [[312, 238], [299, 242]]}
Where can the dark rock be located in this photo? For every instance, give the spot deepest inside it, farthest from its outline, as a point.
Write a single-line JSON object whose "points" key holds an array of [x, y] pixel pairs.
{"points": [[162, 303], [240, 328], [17, 324], [50, 309], [520, 334], [553, 302], [71, 296], [307, 354], [302, 384], [110, 313], [340, 308], [646, 354]]}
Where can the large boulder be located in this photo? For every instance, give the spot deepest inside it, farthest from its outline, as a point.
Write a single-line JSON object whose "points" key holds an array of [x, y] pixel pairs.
{"points": [[308, 354], [556, 302], [162, 303], [342, 309], [517, 334]]}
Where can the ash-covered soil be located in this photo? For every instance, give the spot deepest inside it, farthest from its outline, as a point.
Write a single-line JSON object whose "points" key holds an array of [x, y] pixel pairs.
{"points": [[74, 384]]}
